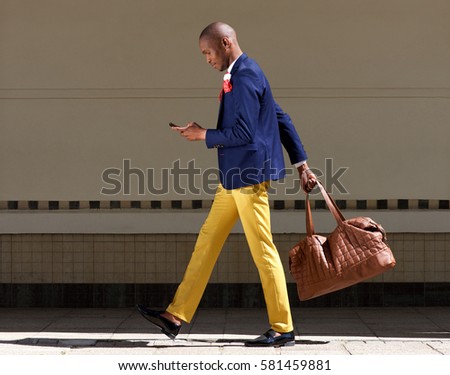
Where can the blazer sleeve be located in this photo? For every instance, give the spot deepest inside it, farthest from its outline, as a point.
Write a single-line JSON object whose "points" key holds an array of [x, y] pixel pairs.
{"points": [[289, 137], [246, 89]]}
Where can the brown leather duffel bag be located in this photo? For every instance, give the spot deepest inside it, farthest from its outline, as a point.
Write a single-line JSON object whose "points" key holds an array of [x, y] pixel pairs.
{"points": [[355, 251]]}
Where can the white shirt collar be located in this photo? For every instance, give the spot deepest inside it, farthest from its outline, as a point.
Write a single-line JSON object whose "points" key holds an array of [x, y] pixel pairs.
{"points": [[232, 64]]}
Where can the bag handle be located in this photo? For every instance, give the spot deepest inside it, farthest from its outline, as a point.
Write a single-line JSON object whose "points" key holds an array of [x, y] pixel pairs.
{"points": [[332, 206], [309, 223]]}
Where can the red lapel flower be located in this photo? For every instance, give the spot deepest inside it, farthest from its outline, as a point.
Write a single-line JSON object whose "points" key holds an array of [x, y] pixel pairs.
{"points": [[226, 83]]}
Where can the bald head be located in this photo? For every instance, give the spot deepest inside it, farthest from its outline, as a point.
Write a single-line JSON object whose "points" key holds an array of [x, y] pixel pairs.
{"points": [[217, 31], [218, 43]]}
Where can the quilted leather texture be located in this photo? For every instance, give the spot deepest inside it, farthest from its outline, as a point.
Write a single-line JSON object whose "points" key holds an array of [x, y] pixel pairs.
{"points": [[355, 251]]}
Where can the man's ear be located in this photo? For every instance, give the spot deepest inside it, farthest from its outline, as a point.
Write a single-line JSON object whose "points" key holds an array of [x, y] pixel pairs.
{"points": [[226, 42]]}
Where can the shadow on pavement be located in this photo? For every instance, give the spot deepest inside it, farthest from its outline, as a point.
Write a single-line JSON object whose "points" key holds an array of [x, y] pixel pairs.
{"points": [[102, 343]]}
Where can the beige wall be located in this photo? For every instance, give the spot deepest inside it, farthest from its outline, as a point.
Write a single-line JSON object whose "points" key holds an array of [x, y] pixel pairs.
{"points": [[85, 84]]}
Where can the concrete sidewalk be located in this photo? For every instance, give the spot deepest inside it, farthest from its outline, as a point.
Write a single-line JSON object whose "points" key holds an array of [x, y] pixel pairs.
{"points": [[325, 331]]}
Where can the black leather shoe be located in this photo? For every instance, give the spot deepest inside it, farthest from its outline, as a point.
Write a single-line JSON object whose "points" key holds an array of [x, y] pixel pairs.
{"points": [[269, 339], [166, 326]]}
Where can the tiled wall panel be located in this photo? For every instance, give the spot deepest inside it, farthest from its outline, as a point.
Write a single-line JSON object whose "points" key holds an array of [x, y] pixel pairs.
{"points": [[162, 258]]}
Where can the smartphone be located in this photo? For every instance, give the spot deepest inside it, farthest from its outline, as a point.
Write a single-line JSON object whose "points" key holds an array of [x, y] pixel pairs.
{"points": [[172, 125]]}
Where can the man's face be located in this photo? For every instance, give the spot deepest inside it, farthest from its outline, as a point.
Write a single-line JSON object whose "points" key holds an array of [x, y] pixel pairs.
{"points": [[215, 53]]}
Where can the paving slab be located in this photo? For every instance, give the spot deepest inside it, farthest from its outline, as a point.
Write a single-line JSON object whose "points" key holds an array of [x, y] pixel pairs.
{"points": [[319, 331]]}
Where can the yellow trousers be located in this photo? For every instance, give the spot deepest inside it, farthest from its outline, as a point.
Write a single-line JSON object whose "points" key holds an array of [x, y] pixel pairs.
{"points": [[251, 205]]}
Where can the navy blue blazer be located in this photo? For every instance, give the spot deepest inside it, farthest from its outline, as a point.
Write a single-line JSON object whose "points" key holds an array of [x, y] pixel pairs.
{"points": [[251, 130]]}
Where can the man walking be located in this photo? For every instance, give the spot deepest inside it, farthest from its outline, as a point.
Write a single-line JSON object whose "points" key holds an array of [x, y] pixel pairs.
{"points": [[250, 133]]}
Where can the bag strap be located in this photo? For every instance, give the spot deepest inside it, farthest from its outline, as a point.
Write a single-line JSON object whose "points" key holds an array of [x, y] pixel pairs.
{"points": [[332, 206], [309, 222]]}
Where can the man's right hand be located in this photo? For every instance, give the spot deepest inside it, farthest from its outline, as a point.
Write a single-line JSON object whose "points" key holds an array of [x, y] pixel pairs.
{"points": [[308, 179], [192, 131]]}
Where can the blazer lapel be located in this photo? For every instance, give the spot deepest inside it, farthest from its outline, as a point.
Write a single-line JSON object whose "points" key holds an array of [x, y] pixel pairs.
{"points": [[233, 71]]}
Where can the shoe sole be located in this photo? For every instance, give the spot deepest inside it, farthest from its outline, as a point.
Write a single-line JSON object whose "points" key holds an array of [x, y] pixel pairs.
{"points": [[148, 318], [168, 334], [274, 345], [289, 343]]}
